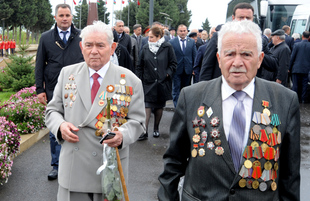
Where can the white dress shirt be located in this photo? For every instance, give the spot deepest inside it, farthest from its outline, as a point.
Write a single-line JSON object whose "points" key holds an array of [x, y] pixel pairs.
{"points": [[181, 43], [61, 35], [229, 102], [101, 72]]}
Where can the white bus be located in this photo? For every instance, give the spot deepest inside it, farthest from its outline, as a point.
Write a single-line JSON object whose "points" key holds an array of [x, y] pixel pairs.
{"points": [[301, 19], [275, 15]]}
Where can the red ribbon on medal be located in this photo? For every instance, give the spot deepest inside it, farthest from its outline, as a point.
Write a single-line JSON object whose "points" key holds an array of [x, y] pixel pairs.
{"points": [[248, 152], [265, 103], [99, 116], [258, 152], [272, 140], [274, 174], [257, 172], [277, 155], [269, 153], [195, 145], [131, 91], [263, 135]]}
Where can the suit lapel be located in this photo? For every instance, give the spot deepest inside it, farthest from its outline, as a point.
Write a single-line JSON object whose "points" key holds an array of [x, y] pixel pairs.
{"points": [[213, 100], [83, 88]]}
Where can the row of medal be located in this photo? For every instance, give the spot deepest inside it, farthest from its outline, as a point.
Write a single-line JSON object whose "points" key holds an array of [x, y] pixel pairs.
{"points": [[119, 102], [200, 137], [70, 92], [251, 172]]}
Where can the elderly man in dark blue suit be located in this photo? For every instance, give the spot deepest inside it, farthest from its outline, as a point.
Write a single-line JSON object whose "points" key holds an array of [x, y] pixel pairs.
{"points": [[185, 51], [300, 66]]}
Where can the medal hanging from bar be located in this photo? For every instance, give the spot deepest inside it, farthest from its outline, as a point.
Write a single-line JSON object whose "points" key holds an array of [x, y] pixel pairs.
{"points": [[247, 153]]}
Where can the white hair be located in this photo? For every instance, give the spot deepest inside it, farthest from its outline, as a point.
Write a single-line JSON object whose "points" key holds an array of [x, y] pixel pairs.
{"points": [[267, 31], [240, 27], [97, 27], [296, 36]]}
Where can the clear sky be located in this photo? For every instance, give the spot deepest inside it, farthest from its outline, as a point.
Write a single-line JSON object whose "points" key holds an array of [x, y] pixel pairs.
{"points": [[214, 10]]}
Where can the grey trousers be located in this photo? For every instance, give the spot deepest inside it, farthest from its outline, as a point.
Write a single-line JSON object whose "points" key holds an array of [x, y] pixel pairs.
{"points": [[66, 195]]}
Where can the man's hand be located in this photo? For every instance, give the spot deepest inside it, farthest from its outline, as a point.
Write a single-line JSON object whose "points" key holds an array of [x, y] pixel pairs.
{"points": [[278, 81], [42, 98], [66, 129], [116, 140]]}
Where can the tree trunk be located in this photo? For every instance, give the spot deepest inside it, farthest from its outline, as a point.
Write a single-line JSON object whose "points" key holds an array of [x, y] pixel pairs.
{"points": [[27, 36], [20, 34]]}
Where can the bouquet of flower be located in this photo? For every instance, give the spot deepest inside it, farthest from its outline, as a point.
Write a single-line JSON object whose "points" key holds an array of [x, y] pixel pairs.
{"points": [[9, 146]]}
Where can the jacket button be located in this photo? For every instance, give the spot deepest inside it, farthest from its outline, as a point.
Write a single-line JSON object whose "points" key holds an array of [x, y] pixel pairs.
{"points": [[155, 57], [156, 80], [94, 154], [155, 68], [232, 191], [76, 148]]}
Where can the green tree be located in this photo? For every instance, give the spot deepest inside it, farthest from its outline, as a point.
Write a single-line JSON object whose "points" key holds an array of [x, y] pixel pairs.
{"points": [[81, 10], [206, 25], [6, 11], [103, 15], [19, 73]]}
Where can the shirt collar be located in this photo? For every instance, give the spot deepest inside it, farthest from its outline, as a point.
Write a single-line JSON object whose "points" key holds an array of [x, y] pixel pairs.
{"points": [[227, 91], [101, 72], [69, 30], [181, 38]]}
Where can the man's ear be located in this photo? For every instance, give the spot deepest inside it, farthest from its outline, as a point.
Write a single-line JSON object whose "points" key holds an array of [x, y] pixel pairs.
{"points": [[81, 46], [113, 47]]}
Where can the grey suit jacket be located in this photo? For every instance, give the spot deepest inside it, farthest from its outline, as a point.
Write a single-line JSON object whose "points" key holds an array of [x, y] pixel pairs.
{"points": [[213, 177], [79, 161]]}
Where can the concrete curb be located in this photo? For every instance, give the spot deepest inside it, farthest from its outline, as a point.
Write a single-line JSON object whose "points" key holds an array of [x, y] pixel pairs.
{"points": [[28, 140]]}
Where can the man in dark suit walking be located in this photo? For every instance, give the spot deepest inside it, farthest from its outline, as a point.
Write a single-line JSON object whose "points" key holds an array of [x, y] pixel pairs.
{"points": [[58, 47], [210, 69], [185, 51], [300, 66], [231, 137], [288, 39]]}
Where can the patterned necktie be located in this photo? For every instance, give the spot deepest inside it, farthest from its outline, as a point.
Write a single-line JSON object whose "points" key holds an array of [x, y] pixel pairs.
{"points": [[183, 45], [64, 38], [95, 87], [237, 127]]}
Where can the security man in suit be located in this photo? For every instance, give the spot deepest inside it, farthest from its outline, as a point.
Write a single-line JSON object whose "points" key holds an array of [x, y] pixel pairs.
{"points": [[58, 47], [185, 51], [77, 113], [236, 137]]}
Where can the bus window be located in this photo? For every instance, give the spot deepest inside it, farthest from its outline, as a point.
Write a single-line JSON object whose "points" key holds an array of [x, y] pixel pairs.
{"points": [[299, 26], [279, 15]]}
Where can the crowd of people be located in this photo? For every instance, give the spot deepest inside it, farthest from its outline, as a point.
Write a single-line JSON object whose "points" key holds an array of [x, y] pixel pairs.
{"points": [[7, 46], [234, 136]]}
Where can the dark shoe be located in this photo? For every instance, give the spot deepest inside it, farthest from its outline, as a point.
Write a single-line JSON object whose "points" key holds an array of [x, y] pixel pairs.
{"points": [[143, 137], [156, 134], [53, 175]]}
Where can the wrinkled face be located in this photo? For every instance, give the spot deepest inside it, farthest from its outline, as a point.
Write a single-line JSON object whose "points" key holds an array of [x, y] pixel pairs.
{"points": [[138, 31], [119, 27], [204, 35], [63, 18], [153, 38], [243, 14], [182, 31], [239, 59], [96, 50]]}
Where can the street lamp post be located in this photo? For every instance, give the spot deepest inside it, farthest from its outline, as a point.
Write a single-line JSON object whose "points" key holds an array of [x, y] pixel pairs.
{"points": [[165, 16]]}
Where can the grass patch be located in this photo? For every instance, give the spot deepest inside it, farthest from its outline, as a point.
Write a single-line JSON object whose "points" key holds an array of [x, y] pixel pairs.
{"points": [[4, 96]]}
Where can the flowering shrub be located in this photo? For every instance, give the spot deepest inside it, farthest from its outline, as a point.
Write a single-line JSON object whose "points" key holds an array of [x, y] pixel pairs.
{"points": [[24, 109], [9, 146]]}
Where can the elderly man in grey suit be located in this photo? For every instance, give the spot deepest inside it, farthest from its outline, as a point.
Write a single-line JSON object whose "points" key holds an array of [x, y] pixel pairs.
{"points": [[78, 110], [236, 137]]}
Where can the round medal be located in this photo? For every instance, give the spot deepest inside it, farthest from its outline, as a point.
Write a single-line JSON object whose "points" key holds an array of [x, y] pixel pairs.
{"points": [[242, 183], [194, 153], [273, 186], [268, 165], [97, 133], [110, 88], [215, 133], [201, 152], [275, 130], [256, 163], [266, 111], [101, 103], [256, 129], [122, 81], [210, 145], [128, 99], [219, 151], [201, 111], [254, 144], [215, 121], [248, 164], [102, 119], [217, 142], [268, 129], [275, 166], [255, 184], [66, 96], [196, 138], [264, 147], [262, 186], [122, 97]]}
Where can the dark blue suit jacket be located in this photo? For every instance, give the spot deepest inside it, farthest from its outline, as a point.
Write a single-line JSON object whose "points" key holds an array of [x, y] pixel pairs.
{"points": [[300, 60], [185, 61], [198, 61]]}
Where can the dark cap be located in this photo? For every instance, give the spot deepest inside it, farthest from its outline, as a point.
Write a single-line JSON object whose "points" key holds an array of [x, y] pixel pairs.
{"points": [[193, 34], [278, 32], [200, 30], [171, 28]]}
